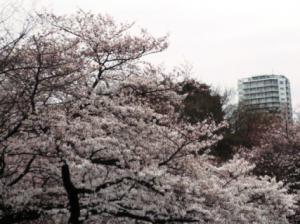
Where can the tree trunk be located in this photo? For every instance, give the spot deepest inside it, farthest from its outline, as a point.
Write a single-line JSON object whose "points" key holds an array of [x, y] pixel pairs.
{"points": [[72, 195]]}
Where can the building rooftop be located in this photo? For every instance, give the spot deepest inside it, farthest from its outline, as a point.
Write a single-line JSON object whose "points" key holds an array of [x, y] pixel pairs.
{"points": [[262, 77]]}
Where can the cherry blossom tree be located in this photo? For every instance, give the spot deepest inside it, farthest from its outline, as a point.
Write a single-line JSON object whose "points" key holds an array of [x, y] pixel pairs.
{"points": [[92, 134], [278, 156]]}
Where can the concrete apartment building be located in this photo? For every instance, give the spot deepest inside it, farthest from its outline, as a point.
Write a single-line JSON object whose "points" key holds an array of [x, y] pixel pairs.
{"points": [[271, 93]]}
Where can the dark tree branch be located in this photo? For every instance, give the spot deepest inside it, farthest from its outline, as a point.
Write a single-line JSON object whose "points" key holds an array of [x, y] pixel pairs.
{"points": [[2, 162], [23, 174], [106, 162]]}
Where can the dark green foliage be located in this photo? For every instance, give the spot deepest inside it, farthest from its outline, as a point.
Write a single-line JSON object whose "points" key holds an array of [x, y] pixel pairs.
{"points": [[201, 102], [248, 126], [224, 150]]}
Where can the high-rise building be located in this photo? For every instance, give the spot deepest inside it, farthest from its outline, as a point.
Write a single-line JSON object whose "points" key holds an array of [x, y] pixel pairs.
{"points": [[271, 93]]}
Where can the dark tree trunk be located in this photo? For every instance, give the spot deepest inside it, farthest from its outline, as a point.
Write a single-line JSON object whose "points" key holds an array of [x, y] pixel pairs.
{"points": [[72, 195]]}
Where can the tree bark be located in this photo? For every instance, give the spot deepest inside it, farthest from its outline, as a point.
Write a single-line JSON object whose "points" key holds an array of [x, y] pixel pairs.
{"points": [[72, 195]]}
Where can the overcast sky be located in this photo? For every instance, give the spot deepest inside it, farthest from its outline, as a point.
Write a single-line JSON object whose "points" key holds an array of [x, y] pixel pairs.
{"points": [[224, 40]]}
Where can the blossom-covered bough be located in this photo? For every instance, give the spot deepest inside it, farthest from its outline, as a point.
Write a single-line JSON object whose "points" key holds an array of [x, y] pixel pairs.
{"points": [[91, 134], [278, 156]]}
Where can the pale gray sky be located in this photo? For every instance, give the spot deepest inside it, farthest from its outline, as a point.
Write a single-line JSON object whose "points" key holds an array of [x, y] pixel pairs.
{"points": [[223, 39]]}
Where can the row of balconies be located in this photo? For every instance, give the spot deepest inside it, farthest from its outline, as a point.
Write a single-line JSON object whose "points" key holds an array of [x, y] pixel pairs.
{"points": [[261, 82], [272, 86], [265, 105], [263, 100], [261, 95]]}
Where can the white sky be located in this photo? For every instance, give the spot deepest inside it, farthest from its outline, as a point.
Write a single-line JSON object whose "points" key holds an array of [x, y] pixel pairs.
{"points": [[223, 39]]}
